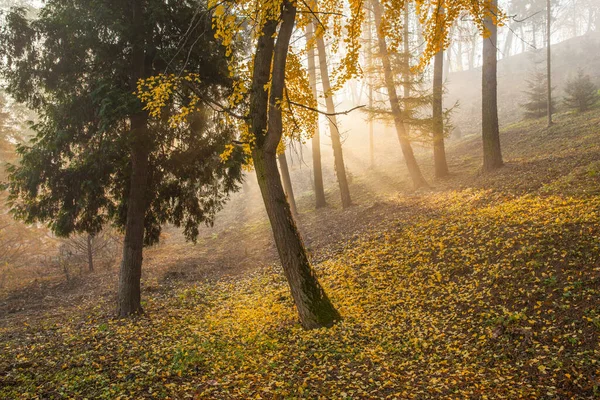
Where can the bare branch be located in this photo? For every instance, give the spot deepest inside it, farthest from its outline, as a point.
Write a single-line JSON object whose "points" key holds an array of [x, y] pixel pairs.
{"points": [[326, 113]]}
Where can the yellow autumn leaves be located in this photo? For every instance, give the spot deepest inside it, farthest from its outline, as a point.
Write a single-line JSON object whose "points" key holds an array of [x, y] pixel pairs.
{"points": [[465, 320], [158, 91], [242, 20]]}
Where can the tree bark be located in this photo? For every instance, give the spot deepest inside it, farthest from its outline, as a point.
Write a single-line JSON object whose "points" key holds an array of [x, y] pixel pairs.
{"points": [[473, 50], [369, 39], [492, 155], [522, 34], [407, 151], [448, 62], [509, 40], [287, 182], [439, 152], [316, 139], [549, 58], [406, 58], [314, 307], [459, 56], [336, 142], [129, 297], [90, 254], [406, 85]]}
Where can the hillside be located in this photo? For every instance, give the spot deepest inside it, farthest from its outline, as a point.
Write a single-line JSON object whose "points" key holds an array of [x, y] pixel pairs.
{"points": [[513, 73], [485, 286]]}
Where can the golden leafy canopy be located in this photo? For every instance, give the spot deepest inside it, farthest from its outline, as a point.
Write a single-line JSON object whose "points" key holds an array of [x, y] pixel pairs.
{"points": [[340, 22]]}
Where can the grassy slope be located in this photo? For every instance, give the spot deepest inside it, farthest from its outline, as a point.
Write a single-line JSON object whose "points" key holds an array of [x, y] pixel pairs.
{"points": [[514, 72], [486, 287]]}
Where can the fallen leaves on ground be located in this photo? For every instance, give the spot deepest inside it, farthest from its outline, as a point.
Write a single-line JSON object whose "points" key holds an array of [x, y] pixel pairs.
{"points": [[494, 297]]}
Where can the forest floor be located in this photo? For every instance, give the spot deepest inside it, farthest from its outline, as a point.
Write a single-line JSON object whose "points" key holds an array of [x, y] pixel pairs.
{"points": [[485, 286]]}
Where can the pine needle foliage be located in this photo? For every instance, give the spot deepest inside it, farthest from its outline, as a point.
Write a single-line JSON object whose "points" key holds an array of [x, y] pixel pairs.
{"points": [[580, 92], [536, 105]]}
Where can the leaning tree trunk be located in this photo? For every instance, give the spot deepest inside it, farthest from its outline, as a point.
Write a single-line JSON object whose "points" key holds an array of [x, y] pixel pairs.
{"points": [[492, 156], [129, 297], [407, 151], [314, 307], [336, 142], [316, 139], [287, 182], [439, 152]]}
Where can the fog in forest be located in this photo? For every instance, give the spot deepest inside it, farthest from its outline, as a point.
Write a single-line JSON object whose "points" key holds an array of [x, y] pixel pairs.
{"points": [[378, 199]]}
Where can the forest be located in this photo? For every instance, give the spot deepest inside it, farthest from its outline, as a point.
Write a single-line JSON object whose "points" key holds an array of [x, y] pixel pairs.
{"points": [[230, 199]]}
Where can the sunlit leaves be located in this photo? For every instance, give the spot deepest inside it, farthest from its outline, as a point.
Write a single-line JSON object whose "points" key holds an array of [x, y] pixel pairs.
{"points": [[340, 22], [480, 294], [157, 92]]}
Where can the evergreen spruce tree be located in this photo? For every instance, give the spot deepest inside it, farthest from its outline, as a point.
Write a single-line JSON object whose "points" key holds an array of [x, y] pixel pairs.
{"points": [[580, 92], [536, 105], [98, 157]]}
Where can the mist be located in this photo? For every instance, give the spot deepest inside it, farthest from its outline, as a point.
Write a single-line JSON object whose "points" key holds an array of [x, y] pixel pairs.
{"points": [[298, 200]]}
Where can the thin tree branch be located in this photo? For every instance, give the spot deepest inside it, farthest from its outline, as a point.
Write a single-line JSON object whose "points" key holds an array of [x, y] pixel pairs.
{"points": [[326, 113]]}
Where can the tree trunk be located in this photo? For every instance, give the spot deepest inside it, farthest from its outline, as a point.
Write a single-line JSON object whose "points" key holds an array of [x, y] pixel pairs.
{"points": [[369, 50], [406, 72], [459, 56], [407, 151], [549, 58], [406, 85], [419, 40], [131, 265], [287, 182], [473, 51], [336, 142], [448, 62], [316, 139], [508, 43], [439, 152], [314, 307], [90, 255], [129, 297], [492, 156], [522, 35], [371, 132]]}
